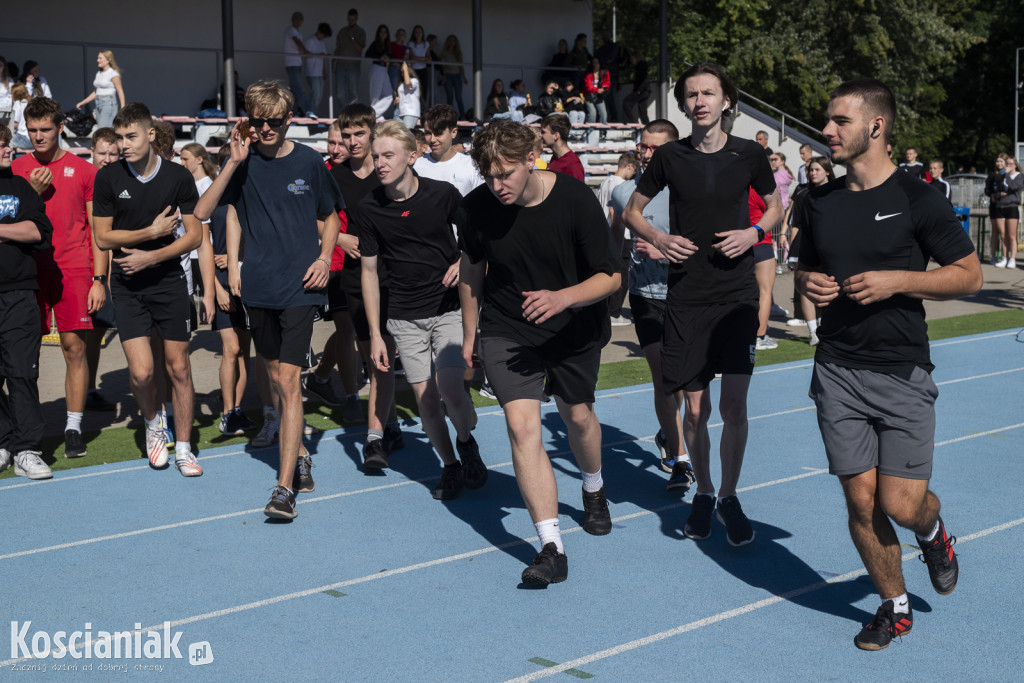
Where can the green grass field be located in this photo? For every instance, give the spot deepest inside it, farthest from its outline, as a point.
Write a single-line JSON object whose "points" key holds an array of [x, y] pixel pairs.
{"points": [[121, 444]]}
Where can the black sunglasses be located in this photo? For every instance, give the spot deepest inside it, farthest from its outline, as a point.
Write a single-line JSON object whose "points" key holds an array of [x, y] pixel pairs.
{"points": [[258, 123]]}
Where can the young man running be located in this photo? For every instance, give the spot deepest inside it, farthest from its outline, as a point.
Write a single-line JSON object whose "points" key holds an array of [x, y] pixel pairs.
{"points": [[865, 246], [73, 276], [540, 259], [441, 127], [135, 207], [407, 223], [648, 288], [711, 322], [24, 231], [287, 206]]}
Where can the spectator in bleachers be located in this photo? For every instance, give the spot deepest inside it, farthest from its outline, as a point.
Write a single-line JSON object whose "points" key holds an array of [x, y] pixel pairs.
{"points": [[596, 85], [6, 83], [408, 97], [560, 60], [636, 102], [454, 73], [419, 53], [294, 52], [445, 162], [550, 101], [315, 67], [572, 102], [349, 44], [579, 58], [783, 176], [498, 106], [399, 53], [517, 96], [108, 91], [381, 95], [20, 98], [36, 84], [554, 131]]}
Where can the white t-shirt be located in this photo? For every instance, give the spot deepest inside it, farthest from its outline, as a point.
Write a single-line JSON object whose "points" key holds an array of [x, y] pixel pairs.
{"points": [[460, 171], [18, 117], [291, 51], [202, 185], [409, 98], [104, 83], [314, 66], [5, 95], [419, 54], [604, 193]]}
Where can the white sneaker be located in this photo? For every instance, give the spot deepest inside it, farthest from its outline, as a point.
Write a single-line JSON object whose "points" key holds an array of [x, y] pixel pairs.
{"points": [[267, 434], [814, 338], [29, 464], [5, 459], [766, 343], [796, 322], [1001, 263], [1011, 263], [779, 312], [156, 447], [187, 464], [621, 321]]}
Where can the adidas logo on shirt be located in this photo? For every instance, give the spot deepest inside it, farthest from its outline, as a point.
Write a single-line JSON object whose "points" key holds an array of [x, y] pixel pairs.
{"points": [[124, 195]]}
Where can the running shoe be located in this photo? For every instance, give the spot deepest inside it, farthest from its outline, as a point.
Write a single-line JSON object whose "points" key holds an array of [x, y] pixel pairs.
{"points": [[765, 343], [168, 428], [95, 403], [796, 322], [550, 566], [187, 464], [682, 477], [5, 459], [621, 321], [698, 526], [302, 480], [487, 392], [267, 434], [667, 459], [597, 521], [943, 568], [352, 409], [999, 263], [737, 527], [778, 311], [1011, 263], [74, 446], [281, 505], [884, 627], [309, 430], [473, 468], [393, 440], [451, 483], [29, 464], [156, 447], [243, 421], [375, 456], [229, 424], [322, 390]]}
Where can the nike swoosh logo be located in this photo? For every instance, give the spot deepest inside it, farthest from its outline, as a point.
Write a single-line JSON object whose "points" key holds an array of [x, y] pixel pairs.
{"points": [[910, 467], [880, 217]]}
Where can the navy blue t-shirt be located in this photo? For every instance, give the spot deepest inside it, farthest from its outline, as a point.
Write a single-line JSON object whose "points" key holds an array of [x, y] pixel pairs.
{"points": [[279, 202]]}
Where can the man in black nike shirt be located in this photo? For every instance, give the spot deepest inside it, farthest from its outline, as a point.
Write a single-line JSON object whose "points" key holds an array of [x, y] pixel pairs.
{"points": [[865, 246]]}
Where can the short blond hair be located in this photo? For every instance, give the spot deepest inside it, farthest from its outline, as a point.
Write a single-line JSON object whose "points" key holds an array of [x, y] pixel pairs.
{"points": [[398, 131], [265, 97]]}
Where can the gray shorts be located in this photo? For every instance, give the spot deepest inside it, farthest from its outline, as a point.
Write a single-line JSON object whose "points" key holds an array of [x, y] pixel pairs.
{"points": [[518, 372], [428, 344], [873, 419]]}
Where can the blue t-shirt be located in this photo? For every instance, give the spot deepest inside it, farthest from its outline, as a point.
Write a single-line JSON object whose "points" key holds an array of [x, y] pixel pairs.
{"points": [[279, 202], [647, 277]]}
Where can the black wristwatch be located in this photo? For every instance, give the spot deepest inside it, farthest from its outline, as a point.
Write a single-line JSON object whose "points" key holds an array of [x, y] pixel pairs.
{"points": [[102, 279], [760, 233]]}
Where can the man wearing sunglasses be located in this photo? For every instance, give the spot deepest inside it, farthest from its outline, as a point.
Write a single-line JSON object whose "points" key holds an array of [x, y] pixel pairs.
{"points": [[287, 204]]}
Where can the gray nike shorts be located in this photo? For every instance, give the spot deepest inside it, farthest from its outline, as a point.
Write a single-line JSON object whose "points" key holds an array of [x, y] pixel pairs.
{"points": [[873, 419]]}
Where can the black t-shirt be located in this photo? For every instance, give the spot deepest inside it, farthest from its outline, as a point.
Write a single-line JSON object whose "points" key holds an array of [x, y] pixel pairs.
{"points": [[416, 241], [19, 202], [709, 193], [133, 203], [898, 225], [353, 189], [914, 170], [557, 244]]}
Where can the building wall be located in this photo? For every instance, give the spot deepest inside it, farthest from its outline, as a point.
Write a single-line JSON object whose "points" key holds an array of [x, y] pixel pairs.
{"points": [[169, 50]]}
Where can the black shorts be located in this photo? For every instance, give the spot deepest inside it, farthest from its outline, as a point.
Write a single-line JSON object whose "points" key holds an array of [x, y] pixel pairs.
{"points": [[223, 320], [358, 313], [283, 335], [1004, 212], [20, 337], [164, 307], [336, 299], [763, 252], [701, 341], [648, 319], [103, 319], [518, 372]]}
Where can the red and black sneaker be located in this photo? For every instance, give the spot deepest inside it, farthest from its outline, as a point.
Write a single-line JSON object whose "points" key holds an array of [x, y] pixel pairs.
{"points": [[938, 554], [886, 625]]}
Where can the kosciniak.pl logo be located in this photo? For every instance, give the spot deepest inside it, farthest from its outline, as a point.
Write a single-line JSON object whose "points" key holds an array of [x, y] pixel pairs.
{"points": [[138, 643]]}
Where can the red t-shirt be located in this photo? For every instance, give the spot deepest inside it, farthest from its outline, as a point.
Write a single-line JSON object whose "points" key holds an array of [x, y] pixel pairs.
{"points": [[568, 164], [757, 207], [65, 200], [338, 255]]}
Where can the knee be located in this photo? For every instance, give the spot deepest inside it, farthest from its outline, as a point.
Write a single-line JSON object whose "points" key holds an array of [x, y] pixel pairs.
{"points": [[696, 414], [141, 376], [74, 349], [581, 417], [733, 411]]}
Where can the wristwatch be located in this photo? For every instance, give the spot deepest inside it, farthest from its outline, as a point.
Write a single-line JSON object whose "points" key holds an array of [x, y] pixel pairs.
{"points": [[102, 279], [760, 233]]}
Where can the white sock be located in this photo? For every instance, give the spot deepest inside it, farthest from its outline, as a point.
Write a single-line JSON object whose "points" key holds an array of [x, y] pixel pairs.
{"points": [[931, 536], [812, 326], [548, 531], [155, 423], [182, 448], [901, 604], [74, 422], [592, 483], [683, 457]]}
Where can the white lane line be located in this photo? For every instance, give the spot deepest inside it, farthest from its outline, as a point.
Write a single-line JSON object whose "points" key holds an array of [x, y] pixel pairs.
{"points": [[729, 614], [989, 374], [974, 339]]}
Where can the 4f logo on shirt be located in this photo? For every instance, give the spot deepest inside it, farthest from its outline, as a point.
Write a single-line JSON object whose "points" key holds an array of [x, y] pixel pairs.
{"points": [[299, 186], [124, 195], [405, 214], [9, 206]]}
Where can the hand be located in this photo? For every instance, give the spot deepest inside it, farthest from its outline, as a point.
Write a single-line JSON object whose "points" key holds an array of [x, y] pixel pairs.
{"points": [[349, 244], [379, 353], [135, 261], [645, 249], [165, 223], [821, 289], [675, 248], [224, 300], [220, 261], [784, 242], [873, 286], [96, 298], [235, 282], [241, 137], [469, 351], [316, 275], [40, 179], [735, 243], [451, 278], [543, 304], [208, 308]]}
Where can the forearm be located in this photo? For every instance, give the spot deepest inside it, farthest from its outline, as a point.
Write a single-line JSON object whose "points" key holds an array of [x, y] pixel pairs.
{"points": [[25, 232], [87, 100], [593, 289], [329, 237], [211, 198], [772, 211], [206, 268], [371, 295], [947, 282], [119, 239], [471, 280], [638, 225]]}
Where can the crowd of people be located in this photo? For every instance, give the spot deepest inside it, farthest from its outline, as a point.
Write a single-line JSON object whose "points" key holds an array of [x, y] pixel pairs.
{"points": [[456, 262]]}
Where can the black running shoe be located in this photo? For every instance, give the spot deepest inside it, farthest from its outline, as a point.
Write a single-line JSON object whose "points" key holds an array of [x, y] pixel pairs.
{"points": [[243, 421], [886, 625], [698, 526], [95, 403], [596, 518], [737, 527], [550, 566], [943, 569], [374, 455], [302, 480], [666, 458], [473, 468], [322, 390], [393, 440], [281, 505], [451, 483], [74, 446], [682, 477]]}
